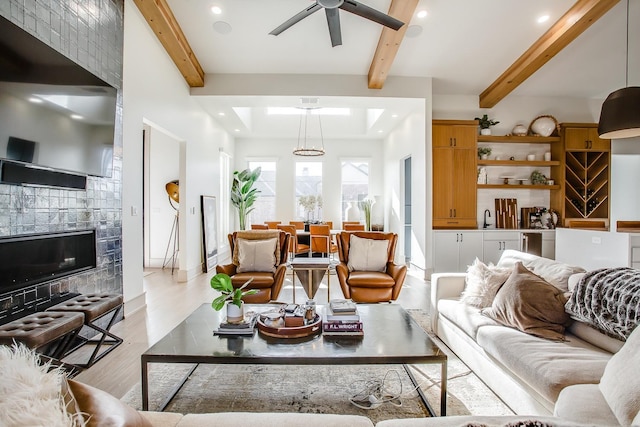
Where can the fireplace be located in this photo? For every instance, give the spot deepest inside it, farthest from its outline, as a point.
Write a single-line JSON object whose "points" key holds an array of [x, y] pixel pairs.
{"points": [[29, 262]]}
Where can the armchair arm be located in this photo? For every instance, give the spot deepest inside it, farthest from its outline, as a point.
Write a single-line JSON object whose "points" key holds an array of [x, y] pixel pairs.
{"points": [[444, 285], [342, 271], [278, 281], [398, 272], [229, 269]]}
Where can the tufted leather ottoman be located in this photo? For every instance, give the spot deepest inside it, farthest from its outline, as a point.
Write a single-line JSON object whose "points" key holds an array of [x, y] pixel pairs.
{"points": [[93, 307], [50, 333]]}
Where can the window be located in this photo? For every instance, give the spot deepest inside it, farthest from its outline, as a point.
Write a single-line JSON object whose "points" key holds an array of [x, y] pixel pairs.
{"points": [[265, 205], [355, 182], [225, 197], [308, 190]]}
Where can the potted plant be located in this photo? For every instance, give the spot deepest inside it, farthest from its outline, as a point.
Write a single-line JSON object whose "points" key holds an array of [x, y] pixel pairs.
{"points": [[485, 124], [243, 193], [231, 297], [366, 205], [484, 152], [538, 178]]}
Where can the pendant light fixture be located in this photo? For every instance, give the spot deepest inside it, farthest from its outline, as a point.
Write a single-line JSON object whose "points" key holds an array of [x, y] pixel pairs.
{"points": [[306, 146], [620, 114]]}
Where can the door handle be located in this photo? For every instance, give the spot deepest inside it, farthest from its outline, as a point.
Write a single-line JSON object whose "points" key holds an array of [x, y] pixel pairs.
{"points": [[461, 237], [454, 213]]}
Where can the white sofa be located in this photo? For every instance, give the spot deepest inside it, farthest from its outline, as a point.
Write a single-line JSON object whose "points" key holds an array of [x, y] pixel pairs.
{"points": [[532, 375]]}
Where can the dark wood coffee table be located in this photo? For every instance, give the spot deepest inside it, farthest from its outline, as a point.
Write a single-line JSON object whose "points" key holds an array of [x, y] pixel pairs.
{"points": [[391, 336]]}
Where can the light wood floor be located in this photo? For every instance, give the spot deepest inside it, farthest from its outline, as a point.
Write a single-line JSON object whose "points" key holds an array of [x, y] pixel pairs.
{"points": [[169, 302]]}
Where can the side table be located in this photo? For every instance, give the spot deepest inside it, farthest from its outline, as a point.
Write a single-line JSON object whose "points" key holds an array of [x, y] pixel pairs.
{"points": [[310, 271]]}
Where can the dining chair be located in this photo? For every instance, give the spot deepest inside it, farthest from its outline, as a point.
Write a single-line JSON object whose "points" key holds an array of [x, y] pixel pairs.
{"points": [[299, 225], [353, 227], [295, 247], [321, 239], [259, 227], [349, 222], [272, 224]]}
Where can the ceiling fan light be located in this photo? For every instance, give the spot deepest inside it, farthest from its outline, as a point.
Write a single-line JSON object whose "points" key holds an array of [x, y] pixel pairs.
{"points": [[620, 114]]}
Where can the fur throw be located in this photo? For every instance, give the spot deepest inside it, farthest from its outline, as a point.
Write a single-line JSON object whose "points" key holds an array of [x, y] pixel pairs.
{"points": [[29, 395]]}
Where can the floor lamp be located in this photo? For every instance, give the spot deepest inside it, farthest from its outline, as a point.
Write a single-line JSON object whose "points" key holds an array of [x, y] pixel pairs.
{"points": [[173, 191]]}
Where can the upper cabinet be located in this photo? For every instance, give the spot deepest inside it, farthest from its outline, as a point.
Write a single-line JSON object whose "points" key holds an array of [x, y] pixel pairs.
{"points": [[454, 173], [583, 137]]}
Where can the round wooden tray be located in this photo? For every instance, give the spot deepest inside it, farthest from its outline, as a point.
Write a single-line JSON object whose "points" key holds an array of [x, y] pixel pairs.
{"points": [[293, 331]]}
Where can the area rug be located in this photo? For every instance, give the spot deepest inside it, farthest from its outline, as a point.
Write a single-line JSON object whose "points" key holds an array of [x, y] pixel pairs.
{"points": [[316, 389]]}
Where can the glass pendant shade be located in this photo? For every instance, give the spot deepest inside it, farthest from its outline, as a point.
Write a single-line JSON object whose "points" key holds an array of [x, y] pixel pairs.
{"points": [[620, 114]]}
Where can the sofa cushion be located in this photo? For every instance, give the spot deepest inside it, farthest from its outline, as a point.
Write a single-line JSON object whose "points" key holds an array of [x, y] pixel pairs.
{"points": [[256, 255], [530, 304], [467, 318], [555, 272], [583, 403], [591, 335], [482, 283], [546, 366], [99, 408], [272, 419], [367, 254], [620, 383]]}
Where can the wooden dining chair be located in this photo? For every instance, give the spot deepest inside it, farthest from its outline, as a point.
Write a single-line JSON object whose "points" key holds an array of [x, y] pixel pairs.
{"points": [[299, 225], [272, 224], [259, 227], [349, 222], [353, 227], [321, 239]]}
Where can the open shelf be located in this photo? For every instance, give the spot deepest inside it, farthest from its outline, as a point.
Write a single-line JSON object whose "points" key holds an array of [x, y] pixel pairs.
{"points": [[518, 139], [533, 163], [518, 186]]}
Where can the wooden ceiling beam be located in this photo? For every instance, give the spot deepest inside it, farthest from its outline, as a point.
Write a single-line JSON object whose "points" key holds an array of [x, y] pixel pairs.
{"points": [[160, 18], [573, 23], [389, 42]]}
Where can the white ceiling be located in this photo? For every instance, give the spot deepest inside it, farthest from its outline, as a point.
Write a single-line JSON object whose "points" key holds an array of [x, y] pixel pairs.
{"points": [[464, 45]]}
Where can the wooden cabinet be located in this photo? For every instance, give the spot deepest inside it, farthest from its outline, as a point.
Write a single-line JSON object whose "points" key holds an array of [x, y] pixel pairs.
{"points": [[585, 201], [453, 251], [454, 173]]}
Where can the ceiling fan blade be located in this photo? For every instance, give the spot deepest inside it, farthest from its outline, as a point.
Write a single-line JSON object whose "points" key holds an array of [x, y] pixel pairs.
{"points": [[371, 14], [295, 19], [333, 20]]}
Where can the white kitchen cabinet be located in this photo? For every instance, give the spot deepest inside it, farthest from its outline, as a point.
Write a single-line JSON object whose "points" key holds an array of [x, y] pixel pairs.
{"points": [[454, 250], [496, 242]]}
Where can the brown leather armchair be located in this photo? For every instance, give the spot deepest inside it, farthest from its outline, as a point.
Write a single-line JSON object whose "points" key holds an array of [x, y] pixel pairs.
{"points": [[268, 284], [370, 286]]}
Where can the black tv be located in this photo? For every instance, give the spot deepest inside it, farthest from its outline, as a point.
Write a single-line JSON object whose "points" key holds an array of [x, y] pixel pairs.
{"points": [[35, 258], [53, 112]]}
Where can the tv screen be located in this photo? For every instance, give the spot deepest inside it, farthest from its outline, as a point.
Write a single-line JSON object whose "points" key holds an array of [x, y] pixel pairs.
{"points": [[53, 112], [36, 258]]}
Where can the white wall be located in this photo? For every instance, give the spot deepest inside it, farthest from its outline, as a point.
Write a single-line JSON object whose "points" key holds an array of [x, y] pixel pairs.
{"points": [[154, 92]]}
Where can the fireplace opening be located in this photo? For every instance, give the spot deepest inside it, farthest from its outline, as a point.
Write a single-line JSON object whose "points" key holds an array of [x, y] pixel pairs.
{"points": [[27, 260]]}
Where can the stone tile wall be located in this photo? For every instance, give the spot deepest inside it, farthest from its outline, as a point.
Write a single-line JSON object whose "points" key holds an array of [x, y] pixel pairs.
{"points": [[90, 32]]}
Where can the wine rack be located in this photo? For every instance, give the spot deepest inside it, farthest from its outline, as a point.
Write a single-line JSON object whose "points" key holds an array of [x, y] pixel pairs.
{"points": [[587, 184]]}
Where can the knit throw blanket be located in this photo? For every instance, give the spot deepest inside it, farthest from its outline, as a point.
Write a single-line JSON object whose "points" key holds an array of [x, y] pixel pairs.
{"points": [[609, 300]]}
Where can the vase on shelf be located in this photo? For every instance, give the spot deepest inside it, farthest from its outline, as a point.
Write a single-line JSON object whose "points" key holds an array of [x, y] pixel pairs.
{"points": [[352, 213]]}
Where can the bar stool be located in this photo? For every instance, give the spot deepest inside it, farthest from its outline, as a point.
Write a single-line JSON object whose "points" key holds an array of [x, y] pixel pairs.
{"points": [[94, 307]]}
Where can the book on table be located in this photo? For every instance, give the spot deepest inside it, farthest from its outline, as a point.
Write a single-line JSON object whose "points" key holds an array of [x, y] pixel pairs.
{"points": [[345, 306], [246, 327], [331, 316], [341, 326]]}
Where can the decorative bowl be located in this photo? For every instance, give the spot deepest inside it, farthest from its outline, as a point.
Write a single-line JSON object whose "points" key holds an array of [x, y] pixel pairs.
{"points": [[519, 130], [543, 125]]}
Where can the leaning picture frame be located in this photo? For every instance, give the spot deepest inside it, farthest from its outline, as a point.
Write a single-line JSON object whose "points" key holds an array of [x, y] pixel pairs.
{"points": [[209, 232]]}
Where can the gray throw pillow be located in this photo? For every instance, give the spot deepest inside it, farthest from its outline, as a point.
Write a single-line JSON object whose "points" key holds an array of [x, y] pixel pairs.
{"points": [[528, 303]]}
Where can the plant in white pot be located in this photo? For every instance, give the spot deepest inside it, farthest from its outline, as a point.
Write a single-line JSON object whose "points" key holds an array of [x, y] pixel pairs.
{"points": [[485, 124], [243, 193], [221, 282]]}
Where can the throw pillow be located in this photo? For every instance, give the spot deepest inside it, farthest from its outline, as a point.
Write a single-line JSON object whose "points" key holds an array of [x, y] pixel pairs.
{"points": [[367, 254], [482, 283], [620, 381], [256, 235], [94, 408], [256, 255], [528, 303], [29, 395]]}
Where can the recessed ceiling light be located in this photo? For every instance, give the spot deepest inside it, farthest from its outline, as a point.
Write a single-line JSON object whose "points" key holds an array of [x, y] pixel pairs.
{"points": [[237, 130], [222, 27], [36, 100], [216, 10], [221, 113], [77, 117], [543, 19], [380, 131], [395, 116], [422, 14]]}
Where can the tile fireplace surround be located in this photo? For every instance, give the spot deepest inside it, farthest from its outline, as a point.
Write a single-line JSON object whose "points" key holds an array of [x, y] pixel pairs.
{"points": [[91, 34]]}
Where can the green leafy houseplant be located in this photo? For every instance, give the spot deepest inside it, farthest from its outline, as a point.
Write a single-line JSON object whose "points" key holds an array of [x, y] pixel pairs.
{"points": [[222, 283], [366, 205], [243, 193], [537, 178], [485, 122], [484, 151]]}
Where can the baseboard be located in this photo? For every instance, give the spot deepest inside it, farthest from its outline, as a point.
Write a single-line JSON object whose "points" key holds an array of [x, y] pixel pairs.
{"points": [[135, 304]]}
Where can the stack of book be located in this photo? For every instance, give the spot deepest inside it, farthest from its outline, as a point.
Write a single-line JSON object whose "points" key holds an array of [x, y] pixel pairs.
{"points": [[246, 327], [341, 318]]}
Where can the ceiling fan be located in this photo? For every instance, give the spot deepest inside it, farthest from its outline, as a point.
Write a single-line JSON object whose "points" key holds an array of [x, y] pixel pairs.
{"points": [[333, 18]]}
